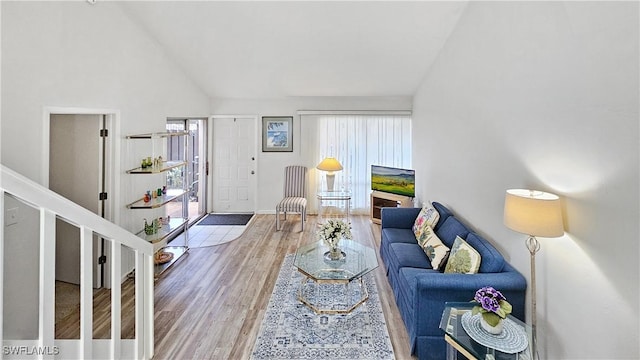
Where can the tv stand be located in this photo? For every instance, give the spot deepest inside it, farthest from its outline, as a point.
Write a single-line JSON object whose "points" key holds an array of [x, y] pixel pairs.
{"points": [[381, 199]]}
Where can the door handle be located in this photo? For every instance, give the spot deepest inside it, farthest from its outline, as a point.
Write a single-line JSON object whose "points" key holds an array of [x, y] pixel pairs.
{"points": [[252, 172]]}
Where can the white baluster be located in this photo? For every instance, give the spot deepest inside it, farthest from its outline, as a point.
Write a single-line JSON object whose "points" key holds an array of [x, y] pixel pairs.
{"points": [[47, 281], [116, 291], [149, 273], [86, 293], [1, 261]]}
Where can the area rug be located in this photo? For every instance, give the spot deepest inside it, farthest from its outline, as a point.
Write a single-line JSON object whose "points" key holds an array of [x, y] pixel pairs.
{"points": [[290, 330], [226, 219]]}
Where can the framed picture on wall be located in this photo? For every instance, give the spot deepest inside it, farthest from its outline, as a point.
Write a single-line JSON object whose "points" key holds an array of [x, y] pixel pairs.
{"points": [[277, 133]]}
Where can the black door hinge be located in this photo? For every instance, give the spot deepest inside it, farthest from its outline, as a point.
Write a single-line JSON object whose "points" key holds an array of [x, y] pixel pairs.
{"points": [[102, 260], [102, 196], [104, 132]]}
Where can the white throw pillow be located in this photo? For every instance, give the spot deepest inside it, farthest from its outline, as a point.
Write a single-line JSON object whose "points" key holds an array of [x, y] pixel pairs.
{"points": [[436, 251], [428, 216]]}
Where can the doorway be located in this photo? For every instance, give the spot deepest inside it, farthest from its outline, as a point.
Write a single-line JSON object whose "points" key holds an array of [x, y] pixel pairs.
{"points": [[78, 171], [197, 170], [234, 164]]}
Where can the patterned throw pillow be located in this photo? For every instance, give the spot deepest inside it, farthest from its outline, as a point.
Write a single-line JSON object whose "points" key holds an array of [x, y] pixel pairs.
{"points": [[436, 251], [428, 216], [463, 258]]}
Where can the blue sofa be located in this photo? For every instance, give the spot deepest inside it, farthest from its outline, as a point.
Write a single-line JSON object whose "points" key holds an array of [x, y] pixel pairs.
{"points": [[421, 292]]}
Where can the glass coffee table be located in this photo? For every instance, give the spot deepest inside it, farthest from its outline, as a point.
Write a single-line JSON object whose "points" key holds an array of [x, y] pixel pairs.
{"points": [[334, 286], [459, 340]]}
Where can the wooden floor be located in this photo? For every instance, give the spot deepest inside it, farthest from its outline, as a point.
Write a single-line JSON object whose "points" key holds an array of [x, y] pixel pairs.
{"points": [[210, 304]]}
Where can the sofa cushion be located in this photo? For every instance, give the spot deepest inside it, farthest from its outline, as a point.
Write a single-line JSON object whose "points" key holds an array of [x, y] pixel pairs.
{"points": [[428, 216], [451, 228], [407, 255], [464, 259], [398, 217], [444, 214], [395, 235], [392, 236], [436, 251], [492, 260]]}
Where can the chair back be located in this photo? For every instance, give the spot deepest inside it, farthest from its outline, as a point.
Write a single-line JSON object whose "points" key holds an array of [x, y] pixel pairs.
{"points": [[295, 181]]}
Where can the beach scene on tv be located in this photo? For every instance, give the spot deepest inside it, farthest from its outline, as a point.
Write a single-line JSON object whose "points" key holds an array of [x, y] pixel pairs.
{"points": [[393, 180]]}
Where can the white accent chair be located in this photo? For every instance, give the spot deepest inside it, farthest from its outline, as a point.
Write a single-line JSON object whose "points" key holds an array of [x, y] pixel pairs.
{"points": [[295, 191]]}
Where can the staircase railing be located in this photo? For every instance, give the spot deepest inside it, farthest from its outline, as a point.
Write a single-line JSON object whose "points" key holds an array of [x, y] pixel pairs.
{"points": [[50, 206]]}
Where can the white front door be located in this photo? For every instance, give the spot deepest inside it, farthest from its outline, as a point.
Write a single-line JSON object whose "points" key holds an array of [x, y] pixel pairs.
{"points": [[234, 159]]}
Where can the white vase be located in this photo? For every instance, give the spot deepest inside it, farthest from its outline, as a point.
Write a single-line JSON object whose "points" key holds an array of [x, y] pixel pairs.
{"points": [[495, 330]]}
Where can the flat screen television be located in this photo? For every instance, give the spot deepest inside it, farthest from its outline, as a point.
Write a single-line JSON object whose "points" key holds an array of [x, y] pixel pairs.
{"points": [[393, 180]]}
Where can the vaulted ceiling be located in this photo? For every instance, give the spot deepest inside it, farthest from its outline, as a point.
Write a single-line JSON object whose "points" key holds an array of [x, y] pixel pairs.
{"points": [[279, 49]]}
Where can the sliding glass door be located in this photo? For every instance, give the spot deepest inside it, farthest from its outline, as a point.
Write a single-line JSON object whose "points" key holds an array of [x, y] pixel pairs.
{"points": [[196, 176], [359, 140]]}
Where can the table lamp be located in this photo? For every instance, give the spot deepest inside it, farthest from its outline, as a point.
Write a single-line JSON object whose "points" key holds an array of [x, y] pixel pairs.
{"points": [[329, 164], [533, 213]]}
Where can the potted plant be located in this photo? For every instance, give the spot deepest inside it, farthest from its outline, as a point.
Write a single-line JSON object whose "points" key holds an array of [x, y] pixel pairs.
{"points": [[492, 307]]}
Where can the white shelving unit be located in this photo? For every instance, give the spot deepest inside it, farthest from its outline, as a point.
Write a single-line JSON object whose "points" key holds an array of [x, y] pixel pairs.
{"points": [[158, 144]]}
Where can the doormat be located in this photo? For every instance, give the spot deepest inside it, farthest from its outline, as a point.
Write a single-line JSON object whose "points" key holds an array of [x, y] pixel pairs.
{"points": [[290, 330], [226, 219]]}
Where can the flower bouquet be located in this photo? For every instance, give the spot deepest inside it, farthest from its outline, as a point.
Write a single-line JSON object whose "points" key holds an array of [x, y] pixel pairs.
{"points": [[493, 307], [331, 232]]}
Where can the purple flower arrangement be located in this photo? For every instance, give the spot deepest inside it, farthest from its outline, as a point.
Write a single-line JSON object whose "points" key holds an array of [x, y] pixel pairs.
{"points": [[492, 305]]}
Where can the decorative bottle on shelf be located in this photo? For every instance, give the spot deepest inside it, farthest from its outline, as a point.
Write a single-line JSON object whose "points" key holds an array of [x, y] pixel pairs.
{"points": [[149, 229]]}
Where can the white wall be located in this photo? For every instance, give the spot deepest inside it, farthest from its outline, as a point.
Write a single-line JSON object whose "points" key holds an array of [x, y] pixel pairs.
{"points": [[73, 54], [545, 95], [271, 164]]}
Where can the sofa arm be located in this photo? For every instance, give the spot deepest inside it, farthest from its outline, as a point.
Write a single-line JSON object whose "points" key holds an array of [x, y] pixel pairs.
{"points": [[435, 289], [402, 218]]}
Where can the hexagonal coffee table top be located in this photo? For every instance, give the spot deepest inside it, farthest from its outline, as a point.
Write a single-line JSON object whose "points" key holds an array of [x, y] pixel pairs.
{"points": [[358, 260]]}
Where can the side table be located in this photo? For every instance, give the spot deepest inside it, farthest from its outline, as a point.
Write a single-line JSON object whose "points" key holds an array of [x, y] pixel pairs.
{"points": [[459, 341], [329, 202]]}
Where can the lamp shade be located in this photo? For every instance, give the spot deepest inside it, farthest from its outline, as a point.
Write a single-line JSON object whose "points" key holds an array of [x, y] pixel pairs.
{"points": [[534, 213], [329, 164]]}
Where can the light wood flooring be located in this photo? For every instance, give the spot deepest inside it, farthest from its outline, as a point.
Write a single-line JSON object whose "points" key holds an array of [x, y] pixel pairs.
{"points": [[210, 304]]}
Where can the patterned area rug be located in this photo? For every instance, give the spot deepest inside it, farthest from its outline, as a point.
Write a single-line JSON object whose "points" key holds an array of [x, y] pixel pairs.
{"points": [[290, 330]]}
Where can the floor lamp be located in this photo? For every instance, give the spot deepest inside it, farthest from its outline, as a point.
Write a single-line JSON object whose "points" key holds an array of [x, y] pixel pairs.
{"points": [[330, 164], [533, 213]]}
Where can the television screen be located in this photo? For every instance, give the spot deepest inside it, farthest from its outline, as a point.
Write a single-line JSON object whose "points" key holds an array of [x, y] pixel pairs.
{"points": [[393, 180]]}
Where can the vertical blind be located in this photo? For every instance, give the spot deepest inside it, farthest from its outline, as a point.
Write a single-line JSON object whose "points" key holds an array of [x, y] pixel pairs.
{"points": [[359, 141]]}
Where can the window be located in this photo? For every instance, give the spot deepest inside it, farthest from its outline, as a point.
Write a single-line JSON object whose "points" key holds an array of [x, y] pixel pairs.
{"points": [[359, 141]]}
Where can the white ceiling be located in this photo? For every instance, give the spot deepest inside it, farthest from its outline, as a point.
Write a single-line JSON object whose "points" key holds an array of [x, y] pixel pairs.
{"points": [[280, 49]]}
